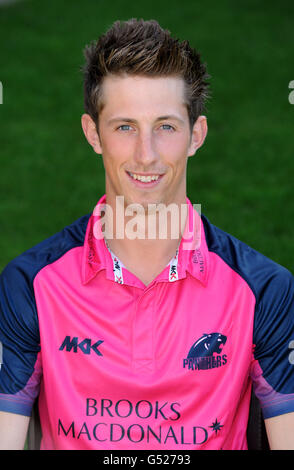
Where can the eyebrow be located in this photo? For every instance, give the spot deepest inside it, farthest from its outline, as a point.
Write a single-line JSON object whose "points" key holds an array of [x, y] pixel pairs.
{"points": [[160, 118]]}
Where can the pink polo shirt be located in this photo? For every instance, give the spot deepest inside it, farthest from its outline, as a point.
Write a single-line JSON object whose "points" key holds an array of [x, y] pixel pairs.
{"points": [[120, 365]]}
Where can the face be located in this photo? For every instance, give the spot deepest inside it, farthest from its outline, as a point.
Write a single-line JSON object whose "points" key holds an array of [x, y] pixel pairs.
{"points": [[145, 139]]}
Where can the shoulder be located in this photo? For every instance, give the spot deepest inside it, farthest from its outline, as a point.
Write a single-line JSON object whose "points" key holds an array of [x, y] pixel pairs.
{"points": [[17, 299], [263, 275], [24, 267]]}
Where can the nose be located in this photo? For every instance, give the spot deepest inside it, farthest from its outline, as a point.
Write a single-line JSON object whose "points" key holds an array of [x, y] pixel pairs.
{"points": [[145, 149]]}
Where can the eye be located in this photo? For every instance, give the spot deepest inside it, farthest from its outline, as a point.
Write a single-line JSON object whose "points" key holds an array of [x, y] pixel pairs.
{"points": [[124, 127], [167, 127]]}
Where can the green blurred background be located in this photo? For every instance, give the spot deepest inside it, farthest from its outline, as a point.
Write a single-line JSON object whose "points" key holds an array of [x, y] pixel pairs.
{"points": [[242, 176]]}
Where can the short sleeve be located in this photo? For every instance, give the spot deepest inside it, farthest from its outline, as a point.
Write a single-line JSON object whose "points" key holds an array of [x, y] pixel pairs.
{"points": [[20, 359], [272, 370]]}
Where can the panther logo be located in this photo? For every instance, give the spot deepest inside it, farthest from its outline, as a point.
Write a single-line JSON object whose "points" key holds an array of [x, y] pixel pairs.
{"points": [[207, 345]]}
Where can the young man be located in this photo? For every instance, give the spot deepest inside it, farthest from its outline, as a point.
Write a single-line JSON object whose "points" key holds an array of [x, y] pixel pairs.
{"points": [[145, 342]]}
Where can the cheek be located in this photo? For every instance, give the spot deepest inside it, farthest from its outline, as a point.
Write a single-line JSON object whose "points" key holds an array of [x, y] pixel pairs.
{"points": [[174, 152], [175, 146], [115, 152]]}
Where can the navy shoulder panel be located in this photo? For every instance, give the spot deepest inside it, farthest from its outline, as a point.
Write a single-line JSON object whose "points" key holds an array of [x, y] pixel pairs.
{"points": [[19, 329], [254, 267], [49, 250], [273, 287]]}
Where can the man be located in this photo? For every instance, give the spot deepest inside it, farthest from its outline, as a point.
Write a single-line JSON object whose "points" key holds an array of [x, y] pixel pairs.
{"points": [[145, 342]]}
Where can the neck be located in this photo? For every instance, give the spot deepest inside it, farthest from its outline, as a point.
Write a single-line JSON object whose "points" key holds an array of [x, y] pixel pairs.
{"points": [[145, 236]]}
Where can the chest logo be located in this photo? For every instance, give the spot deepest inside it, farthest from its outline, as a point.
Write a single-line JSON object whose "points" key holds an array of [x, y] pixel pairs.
{"points": [[85, 346], [206, 353]]}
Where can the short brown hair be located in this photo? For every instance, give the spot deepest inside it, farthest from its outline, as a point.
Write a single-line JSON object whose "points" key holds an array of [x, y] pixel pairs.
{"points": [[139, 47]]}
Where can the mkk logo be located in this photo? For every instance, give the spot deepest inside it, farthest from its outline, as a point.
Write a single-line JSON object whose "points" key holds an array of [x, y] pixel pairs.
{"points": [[85, 345], [206, 352]]}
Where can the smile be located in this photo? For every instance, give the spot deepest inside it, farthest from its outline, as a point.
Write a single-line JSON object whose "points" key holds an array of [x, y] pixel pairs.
{"points": [[144, 178], [145, 181]]}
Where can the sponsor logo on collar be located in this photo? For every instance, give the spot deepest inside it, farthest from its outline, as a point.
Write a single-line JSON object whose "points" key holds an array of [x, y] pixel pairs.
{"points": [[173, 268]]}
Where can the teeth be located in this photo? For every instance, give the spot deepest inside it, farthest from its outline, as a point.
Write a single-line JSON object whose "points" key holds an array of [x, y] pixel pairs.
{"points": [[144, 179]]}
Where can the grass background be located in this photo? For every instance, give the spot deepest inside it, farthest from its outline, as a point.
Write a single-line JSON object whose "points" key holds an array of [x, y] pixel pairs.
{"points": [[242, 176]]}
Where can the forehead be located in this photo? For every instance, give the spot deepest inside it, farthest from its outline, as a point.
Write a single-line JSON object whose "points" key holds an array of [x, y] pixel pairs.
{"points": [[140, 95]]}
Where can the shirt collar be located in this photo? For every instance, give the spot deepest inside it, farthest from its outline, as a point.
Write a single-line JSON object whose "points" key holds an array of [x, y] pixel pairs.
{"points": [[192, 255]]}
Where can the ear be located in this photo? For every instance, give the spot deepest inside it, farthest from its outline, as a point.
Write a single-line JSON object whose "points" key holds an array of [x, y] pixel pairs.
{"points": [[90, 132], [199, 132]]}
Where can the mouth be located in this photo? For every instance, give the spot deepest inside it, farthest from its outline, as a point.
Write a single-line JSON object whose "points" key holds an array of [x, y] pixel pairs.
{"points": [[145, 180]]}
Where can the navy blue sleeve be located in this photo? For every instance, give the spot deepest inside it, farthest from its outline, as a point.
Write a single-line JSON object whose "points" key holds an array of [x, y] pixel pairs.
{"points": [[19, 337], [20, 351], [273, 369]]}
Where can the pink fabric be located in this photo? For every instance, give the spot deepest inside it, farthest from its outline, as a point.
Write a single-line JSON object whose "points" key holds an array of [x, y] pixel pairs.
{"points": [[125, 384]]}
